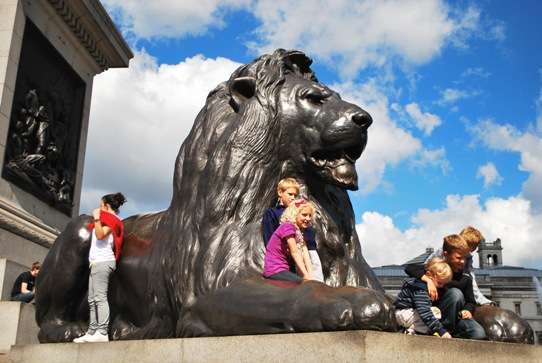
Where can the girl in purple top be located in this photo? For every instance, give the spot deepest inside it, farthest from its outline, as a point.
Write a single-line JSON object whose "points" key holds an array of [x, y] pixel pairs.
{"points": [[287, 241]]}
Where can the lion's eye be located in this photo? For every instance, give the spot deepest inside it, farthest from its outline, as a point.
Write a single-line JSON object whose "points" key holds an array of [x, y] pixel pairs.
{"points": [[315, 98]]}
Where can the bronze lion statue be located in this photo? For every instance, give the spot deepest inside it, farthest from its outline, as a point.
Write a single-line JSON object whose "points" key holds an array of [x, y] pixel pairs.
{"points": [[195, 268]]}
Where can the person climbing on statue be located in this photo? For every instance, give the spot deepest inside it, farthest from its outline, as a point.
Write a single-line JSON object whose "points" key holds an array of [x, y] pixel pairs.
{"points": [[107, 236], [288, 242], [287, 191]]}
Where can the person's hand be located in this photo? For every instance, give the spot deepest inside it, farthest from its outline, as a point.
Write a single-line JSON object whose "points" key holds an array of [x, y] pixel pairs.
{"points": [[308, 277], [465, 314], [446, 336], [433, 292], [96, 213]]}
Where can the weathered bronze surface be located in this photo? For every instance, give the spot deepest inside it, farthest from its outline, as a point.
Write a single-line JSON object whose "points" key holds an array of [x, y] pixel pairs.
{"points": [[195, 268], [45, 124]]}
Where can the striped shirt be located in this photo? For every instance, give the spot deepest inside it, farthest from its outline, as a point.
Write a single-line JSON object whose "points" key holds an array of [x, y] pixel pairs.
{"points": [[414, 295]]}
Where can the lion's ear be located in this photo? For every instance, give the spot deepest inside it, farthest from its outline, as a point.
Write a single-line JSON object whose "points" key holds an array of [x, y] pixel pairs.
{"points": [[241, 90]]}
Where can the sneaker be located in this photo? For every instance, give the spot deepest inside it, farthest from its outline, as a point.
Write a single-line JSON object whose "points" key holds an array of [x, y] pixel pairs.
{"points": [[98, 338], [410, 331], [83, 338]]}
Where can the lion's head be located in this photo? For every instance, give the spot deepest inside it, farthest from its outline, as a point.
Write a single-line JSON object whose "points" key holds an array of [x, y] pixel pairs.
{"points": [[271, 119], [318, 131]]}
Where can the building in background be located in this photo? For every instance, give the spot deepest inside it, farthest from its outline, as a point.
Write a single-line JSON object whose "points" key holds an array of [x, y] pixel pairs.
{"points": [[514, 288]]}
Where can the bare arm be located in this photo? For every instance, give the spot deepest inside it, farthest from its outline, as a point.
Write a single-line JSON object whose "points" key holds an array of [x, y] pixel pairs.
{"points": [[24, 288], [101, 231], [297, 256], [433, 292], [307, 261]]}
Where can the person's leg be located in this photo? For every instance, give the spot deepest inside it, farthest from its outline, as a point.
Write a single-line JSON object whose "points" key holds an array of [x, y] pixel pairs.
{"points": [[92, 324], [286, 276], [405, 317], [470, 329], [23, 297], [450, 304], [316, 266], [101, 283], [419, 325]]}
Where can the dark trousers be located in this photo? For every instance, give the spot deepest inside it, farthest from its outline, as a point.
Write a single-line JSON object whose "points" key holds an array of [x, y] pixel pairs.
{"points": [[286, 276], [451, 304]]}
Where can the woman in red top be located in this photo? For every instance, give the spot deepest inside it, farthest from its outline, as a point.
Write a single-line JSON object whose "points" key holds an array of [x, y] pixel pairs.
{"points": [[107, 233]]}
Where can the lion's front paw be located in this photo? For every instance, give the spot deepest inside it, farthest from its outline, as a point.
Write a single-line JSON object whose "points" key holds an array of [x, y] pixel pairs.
{"points": [[60, 332], [327, 308], [260, 306]]}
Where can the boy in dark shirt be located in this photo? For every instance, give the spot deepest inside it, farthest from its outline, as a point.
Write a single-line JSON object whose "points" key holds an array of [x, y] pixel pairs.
{"points": [[23, 288], [413, 305], [456, 299]]}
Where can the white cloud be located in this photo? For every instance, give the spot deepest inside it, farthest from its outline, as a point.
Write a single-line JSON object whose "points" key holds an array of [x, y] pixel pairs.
{"points": [[358, 34], [434, 158], [423, 121], [538, 105], [170, 18], [388, 143], [139, 117], [475, 72], [527, 144], [349, 34], [512, 220], [452, 95], [498, 32], [490, 174], [382, 134]]}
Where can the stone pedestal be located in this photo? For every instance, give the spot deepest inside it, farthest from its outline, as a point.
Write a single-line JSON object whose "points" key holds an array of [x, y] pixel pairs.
{"points": [[18, 324], [348, 346], [79, 40]]}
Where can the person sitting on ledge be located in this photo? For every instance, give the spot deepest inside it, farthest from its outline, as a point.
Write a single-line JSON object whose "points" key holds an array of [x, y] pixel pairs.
{"points": [[456, 299], [473, 237], [105, 247], [413, 306], [23, 288], [287, 191], [288, 242]]}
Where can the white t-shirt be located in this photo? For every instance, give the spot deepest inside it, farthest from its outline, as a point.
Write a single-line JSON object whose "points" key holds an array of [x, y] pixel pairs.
{"points": [[101, 250]]}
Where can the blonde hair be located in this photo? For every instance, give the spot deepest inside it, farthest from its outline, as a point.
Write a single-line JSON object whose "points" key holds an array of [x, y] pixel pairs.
{"points": [[287, 183], [455, 242], [439, 269], [291, 212], [472, 236]]}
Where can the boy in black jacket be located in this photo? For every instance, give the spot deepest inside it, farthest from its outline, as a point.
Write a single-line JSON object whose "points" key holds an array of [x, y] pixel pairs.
{"points": [[413, 305], [456, 299]]}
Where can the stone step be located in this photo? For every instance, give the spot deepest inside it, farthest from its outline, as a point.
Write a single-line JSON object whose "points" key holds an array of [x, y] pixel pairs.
{"points": [[17, 324], [347, 346]]}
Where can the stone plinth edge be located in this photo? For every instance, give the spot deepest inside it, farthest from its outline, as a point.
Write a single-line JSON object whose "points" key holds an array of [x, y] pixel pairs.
{"points": [[91, 24], [25, 225], [348, 346]]}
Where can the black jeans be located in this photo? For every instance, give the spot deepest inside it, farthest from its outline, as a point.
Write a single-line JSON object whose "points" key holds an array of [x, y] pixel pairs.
{"points": [[286, 276], [450, 305]]}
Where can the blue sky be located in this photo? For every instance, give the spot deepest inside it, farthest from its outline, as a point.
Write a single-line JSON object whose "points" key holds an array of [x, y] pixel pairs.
{"points": [[454, 89]]}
